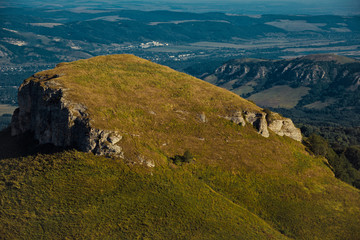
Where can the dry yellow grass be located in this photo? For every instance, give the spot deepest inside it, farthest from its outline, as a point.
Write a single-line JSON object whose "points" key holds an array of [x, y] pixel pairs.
{"points": [[149, 104], [157, 109]]}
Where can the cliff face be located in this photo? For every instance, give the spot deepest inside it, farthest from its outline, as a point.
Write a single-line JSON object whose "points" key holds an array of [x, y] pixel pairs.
{"points": [[45, 111]]}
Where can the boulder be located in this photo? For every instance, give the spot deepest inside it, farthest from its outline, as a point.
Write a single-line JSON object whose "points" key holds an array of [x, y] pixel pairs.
{"points": [[285, 127]]}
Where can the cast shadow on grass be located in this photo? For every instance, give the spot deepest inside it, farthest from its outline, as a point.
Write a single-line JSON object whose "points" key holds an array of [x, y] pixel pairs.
{"points": [[22, 146]]}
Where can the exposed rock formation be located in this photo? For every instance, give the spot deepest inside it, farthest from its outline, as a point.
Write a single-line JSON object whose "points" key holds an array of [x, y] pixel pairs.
{"points": [[281, 126], [143, 161], [237, 118], [45, 111], [285, 127], [258, 120], [202, 118]]}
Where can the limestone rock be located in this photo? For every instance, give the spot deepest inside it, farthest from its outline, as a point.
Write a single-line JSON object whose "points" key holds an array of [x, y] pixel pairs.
{"points": [[236, 118], [258, 120], [280, 126], [148, 163], [262, 126], [45, 111], [285, 127], [251, 117], [202, 118]]}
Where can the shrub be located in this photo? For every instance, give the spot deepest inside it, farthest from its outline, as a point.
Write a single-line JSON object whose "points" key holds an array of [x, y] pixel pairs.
{"points": [[187, 157]]}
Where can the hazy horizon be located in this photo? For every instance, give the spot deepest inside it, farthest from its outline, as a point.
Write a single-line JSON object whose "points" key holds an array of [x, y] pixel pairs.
{"points": [[320, 7]]}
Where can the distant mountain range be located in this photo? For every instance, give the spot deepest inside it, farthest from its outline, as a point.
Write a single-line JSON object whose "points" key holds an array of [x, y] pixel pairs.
{"points": [[313, 82], [345, 7]]}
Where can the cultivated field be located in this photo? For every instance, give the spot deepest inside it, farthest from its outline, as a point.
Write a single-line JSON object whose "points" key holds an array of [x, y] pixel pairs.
{"points": [[6, 109], [280, 96]]}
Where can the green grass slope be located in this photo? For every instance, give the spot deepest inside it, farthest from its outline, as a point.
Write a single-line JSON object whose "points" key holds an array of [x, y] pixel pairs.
{"points": [[72, 195], [240, 185]]}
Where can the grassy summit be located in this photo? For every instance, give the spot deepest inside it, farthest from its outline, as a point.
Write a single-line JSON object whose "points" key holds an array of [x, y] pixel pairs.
{"points": [[240, 185], [152, 106]]}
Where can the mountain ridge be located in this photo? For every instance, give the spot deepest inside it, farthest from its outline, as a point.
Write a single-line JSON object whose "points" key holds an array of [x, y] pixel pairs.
{"points": [[47, 109], [191, 168], [328, 77]]}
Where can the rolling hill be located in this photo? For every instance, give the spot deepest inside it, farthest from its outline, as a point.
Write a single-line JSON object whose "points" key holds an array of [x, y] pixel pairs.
{"points": [[132, 149]]}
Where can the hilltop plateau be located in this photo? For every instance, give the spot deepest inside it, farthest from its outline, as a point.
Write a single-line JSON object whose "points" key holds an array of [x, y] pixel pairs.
{"points": [[126, 148]]}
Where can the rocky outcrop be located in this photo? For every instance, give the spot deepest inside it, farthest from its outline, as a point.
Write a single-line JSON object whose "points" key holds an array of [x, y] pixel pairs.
{"points": [[236, 118], [285, 127], [45, 111], [202, 118], [104, 142], [258, 120], [280, 126]]}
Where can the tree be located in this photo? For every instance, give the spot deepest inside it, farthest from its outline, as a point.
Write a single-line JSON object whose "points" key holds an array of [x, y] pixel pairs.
{"points": [[353, 155], [318, 145]]}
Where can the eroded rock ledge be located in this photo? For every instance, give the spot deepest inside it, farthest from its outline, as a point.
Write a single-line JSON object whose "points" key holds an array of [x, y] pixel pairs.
{"points": [[263, 123], [45, 111]]}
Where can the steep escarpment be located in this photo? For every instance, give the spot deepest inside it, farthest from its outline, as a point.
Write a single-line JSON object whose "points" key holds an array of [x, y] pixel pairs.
{"points": [[53, 110], [45, 111]]}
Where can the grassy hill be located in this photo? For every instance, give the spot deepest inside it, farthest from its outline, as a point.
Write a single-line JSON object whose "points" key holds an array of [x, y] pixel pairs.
{"points": [[239, 184]]}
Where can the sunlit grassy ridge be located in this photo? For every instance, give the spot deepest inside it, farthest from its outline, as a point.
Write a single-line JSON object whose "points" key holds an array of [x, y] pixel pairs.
{"points": [[153, 106], [239, 186], [119, 87]]}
